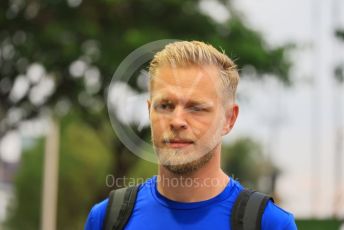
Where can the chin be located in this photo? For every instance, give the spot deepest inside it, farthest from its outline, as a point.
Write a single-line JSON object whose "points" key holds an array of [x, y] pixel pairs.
{"points": [[183, 167]]}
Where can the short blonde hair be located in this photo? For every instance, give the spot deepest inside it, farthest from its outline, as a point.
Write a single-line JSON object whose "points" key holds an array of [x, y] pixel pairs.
{"points": [[183, 53]]}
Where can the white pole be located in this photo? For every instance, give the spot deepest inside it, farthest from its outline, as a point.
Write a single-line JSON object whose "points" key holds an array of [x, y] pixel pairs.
{"points": [[50, 177], [315, 112]]}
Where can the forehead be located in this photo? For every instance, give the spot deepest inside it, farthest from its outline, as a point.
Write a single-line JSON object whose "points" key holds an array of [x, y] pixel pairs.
{"points": [[200, 82]]}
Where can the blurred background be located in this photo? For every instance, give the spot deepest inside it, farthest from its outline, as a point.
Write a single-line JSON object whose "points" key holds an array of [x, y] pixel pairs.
{"points": [[57, 58]]}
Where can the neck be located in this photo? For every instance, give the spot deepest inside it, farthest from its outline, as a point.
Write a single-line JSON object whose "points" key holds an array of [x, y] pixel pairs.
{"points": [[203, 184]]}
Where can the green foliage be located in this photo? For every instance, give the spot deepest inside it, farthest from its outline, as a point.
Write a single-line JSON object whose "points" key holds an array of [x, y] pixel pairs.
{"points": [[244, 160], [84, 164], [143, 169], [314, 224], [25, 207], [248, 47], [103, 33]]}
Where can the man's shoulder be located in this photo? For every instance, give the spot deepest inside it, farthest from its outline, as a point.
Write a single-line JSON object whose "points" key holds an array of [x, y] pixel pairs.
{"points": [[96, 216], [275, 217], [100, 207]]}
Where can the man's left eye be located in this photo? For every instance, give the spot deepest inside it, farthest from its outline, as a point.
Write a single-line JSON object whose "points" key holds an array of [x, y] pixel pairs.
{"points": [[196, 109]]}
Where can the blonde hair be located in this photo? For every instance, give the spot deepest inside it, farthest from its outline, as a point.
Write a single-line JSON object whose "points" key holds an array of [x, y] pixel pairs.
{"points": [[183, 53]]}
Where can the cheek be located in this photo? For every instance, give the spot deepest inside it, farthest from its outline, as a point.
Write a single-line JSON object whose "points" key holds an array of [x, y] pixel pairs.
{"points": [[200, 126], [158, 123], [206, 126]]}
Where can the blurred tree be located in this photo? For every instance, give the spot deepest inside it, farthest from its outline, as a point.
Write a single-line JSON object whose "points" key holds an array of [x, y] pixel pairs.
{"points": [[71, 49], [24, 208], [340, 34], [339, 69], [83, 169], [57, 55], [244, 160]]}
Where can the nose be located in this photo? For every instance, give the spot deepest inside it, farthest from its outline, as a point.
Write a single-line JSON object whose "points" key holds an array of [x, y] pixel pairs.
{"points": [[178, 121]]}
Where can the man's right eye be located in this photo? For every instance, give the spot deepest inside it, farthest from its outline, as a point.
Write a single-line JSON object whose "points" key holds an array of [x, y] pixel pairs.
{"points": [[164, 107]]}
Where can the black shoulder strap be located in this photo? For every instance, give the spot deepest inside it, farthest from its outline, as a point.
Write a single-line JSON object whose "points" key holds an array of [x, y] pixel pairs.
{"points": [[119, 209], [248, 210]]}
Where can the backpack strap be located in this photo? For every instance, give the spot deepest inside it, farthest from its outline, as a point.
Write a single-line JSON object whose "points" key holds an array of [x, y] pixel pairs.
{"points": [[120, 207], [248, 210]]}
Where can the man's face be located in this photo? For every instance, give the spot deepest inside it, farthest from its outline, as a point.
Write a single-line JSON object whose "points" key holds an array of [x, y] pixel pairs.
{"points": [[187, 116]]}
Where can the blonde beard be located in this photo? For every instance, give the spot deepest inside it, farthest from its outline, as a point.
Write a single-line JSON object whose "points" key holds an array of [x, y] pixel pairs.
{"points": [[185, 168], [186, 161]]}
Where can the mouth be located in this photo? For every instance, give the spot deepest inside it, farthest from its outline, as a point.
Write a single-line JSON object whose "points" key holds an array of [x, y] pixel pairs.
{"points": [[178, 143]]}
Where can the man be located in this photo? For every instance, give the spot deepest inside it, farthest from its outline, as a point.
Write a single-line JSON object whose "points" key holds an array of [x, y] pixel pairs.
{"points": [[191, 106]]}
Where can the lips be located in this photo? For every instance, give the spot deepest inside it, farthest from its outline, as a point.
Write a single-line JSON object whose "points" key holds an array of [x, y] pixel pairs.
{"points": [[178, 143]]}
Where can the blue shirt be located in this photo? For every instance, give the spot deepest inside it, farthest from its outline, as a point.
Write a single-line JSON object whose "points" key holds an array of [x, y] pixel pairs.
{"points": [[153, 211]]}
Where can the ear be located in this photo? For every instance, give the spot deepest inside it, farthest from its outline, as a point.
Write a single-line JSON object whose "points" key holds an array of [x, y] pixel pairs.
{"points": [[148, 105], [231, 115]]}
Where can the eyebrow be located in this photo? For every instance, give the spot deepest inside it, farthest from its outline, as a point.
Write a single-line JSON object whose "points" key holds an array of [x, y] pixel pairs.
{"points": [[202, 103], [188, 102]]}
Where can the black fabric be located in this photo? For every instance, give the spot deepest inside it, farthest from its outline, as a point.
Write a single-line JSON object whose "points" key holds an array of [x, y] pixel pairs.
{"points": [[248, 210], [108, 222], [254, 211], [261, 209], [120, 206], [238, 211]]}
